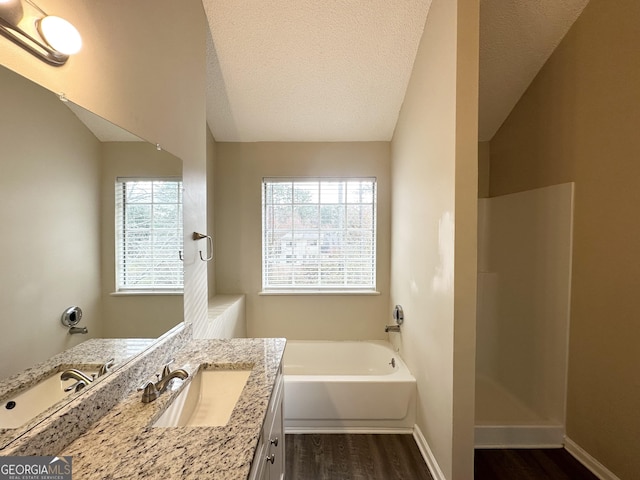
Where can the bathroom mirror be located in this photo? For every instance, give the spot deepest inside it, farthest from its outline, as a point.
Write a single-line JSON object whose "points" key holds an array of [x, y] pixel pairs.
{"points": [[59, 163]]}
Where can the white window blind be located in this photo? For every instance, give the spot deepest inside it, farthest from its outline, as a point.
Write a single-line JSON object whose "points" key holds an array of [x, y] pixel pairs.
{"points": [[148, 234], [318, 234]]}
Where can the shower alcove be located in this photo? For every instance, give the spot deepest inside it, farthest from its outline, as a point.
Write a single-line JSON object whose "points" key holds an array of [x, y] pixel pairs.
{"points": [[524, 275]]}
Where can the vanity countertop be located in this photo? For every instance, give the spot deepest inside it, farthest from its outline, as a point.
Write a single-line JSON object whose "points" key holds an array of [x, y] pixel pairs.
{"points": [[88, 355], [123, 445]]}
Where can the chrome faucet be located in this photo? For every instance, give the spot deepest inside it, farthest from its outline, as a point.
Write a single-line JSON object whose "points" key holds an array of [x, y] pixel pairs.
{"points": [[74, 330], [79, 385], [151, 390], [82, 379], [75, 374], [398, 316], [162, 384]]}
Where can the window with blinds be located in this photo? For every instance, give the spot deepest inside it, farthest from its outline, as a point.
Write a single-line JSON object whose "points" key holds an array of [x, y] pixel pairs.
{"points": [[318, 234], [148, 235]]}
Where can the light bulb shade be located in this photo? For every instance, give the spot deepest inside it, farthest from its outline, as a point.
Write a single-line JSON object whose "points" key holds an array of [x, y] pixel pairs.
{"points": [[60, 34], [11, 11]]}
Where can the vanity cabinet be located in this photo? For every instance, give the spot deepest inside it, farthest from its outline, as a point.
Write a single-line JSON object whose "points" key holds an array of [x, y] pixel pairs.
{"points": [[269, 461]]}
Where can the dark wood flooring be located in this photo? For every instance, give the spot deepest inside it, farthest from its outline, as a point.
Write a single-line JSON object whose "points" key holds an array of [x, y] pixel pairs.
{"points": [[529, 464], [354, 457], [396, 457]]}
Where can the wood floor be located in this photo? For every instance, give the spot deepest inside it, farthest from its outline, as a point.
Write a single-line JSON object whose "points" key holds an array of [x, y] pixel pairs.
{"points": [[354, 457], [529, 464], [396, 457]]}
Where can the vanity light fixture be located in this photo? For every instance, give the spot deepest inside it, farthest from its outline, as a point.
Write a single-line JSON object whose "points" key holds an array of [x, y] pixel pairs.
{"points": [[48, 37]]}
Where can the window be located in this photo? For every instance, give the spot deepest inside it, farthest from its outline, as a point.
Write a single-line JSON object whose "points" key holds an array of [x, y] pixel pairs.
{"points": [[148, 235], [318, 234]]}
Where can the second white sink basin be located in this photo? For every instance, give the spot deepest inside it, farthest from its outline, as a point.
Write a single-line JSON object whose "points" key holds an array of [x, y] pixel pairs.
{"points": [[207, 401], [21, 408]]}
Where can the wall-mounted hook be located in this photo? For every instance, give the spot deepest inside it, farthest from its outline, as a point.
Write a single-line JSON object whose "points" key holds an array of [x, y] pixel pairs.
{"points": [[200, 236], [180, 256]]}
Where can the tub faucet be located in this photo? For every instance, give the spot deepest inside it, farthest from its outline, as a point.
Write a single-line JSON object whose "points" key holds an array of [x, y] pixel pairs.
{"points": [[398, 316]]}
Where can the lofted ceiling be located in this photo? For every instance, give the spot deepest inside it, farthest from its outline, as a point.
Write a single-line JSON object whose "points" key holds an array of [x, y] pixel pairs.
{"points": [[516, 39], [309, 70], [103, 130], [338, 71]]}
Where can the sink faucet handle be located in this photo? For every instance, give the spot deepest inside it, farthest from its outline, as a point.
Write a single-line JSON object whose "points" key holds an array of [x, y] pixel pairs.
{"points": [[149, 392], [166, 370], [105, 367]]}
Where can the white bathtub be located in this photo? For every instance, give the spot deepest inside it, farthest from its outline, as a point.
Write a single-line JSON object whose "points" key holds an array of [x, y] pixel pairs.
{"points": [[346, 386]]}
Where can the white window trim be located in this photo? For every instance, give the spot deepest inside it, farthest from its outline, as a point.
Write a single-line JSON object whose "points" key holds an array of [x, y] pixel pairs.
{"points": [[318, 292], [315, 289], [129, 290]]}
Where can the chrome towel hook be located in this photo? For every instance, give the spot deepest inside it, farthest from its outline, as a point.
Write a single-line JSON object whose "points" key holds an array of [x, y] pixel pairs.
{"points": [[200, 236]]}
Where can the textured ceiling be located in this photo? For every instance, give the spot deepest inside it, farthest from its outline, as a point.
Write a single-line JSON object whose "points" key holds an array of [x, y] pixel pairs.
{"points": [[309, 70], [516, 39], [338, 70]]}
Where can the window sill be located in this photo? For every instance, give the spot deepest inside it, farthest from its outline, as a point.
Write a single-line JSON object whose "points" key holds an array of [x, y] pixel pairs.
{"points": [[319, 292], [139, 293]]}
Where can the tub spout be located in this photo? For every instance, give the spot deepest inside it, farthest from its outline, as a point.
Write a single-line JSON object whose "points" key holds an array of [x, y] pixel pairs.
{"points": [[392, 328]]}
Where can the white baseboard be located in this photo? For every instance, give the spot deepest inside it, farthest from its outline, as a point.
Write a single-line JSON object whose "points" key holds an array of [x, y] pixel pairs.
{"points": [[427, 454], [345, 429], [599, 470], [519, 436]]}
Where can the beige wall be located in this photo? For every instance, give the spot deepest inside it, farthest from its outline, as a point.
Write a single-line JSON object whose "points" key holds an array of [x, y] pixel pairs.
{"points": [[484, 166], [132, 315], [150, 84], [578, 121], [434, 190], [239, 171], [50, 243]]}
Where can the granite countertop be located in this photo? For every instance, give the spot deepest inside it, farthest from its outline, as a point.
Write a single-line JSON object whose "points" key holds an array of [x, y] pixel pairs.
{"points": [[123, 445], [88, 355]]}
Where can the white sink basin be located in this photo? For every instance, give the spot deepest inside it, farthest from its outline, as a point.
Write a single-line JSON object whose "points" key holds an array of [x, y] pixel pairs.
{"points": [[207, 401], [17, 410]]}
